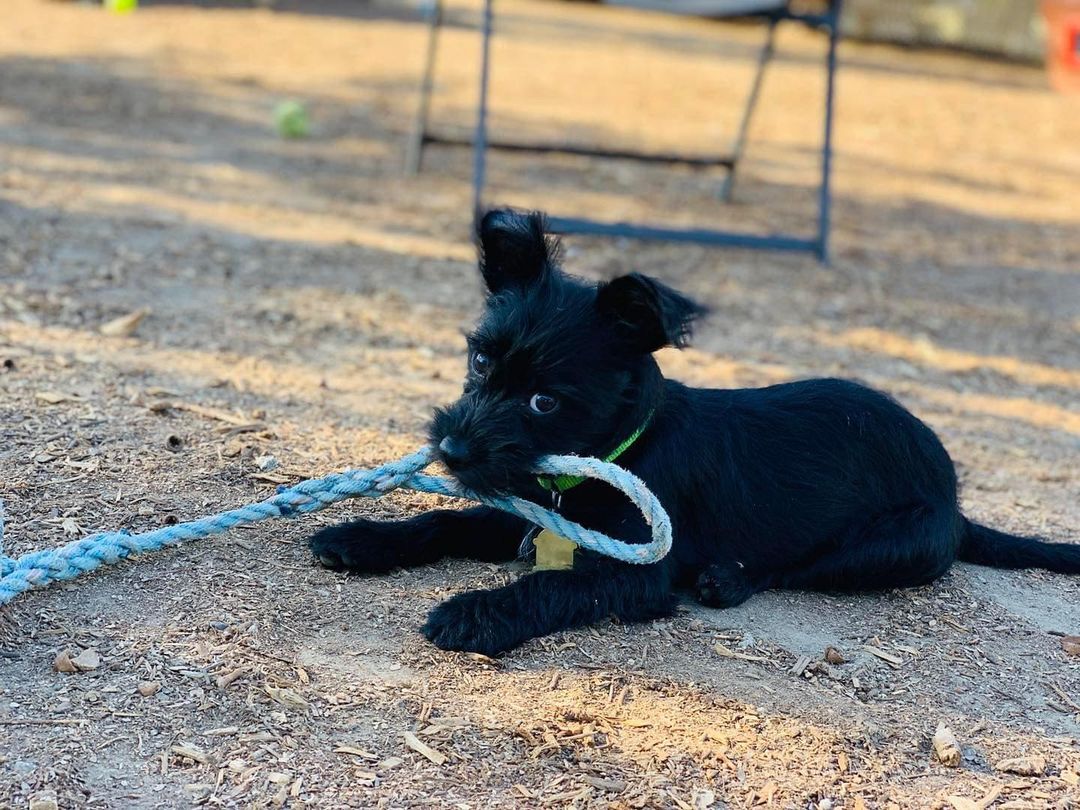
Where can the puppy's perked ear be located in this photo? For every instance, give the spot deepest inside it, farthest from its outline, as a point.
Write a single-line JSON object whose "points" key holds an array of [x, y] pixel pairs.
{"points": [[515, 250], [647, 314]]}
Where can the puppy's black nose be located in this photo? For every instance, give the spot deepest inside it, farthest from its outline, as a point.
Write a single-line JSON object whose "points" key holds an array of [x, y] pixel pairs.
{"points": [[454, 451]]}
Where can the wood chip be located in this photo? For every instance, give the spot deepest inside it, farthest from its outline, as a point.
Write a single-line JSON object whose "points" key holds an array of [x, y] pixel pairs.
{"points": [[272, 478], [225, 731], [1023, 766], [608, 785], [800, 666], [568, 797], [258, 736], [962, 803], [887, 657], [356, 752], [62, 662], [286, 697], [424, 750], [1072, 704], [990, 797], [946, 747], [226, 679], [726, 653], [56, 397], [954, 623], [199, 410], [43, 800], [125, 325], [192, 752], [42, 721]]}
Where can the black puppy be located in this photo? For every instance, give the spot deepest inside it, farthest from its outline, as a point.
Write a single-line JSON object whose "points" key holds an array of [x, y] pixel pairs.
{"points": [[822, 484]]}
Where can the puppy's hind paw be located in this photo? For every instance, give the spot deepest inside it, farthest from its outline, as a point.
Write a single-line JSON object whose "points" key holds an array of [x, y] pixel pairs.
{"points": [[723, 586]]}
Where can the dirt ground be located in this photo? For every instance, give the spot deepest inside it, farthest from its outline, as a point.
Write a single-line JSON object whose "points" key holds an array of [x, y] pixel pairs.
{"points": [[305, 302]]}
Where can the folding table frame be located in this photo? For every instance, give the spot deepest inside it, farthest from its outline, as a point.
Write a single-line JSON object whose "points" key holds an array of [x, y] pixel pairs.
{"points": [[817, 244]]}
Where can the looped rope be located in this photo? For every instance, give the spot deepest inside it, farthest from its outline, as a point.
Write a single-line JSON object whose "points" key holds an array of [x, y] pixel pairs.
{"points": [[39, 568]]}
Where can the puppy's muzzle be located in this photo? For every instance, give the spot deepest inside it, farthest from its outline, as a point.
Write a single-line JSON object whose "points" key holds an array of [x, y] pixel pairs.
{"points": [[454, 452]]}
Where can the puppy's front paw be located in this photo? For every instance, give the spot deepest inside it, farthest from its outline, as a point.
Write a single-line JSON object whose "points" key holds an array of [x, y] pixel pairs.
{"points": [[360, 546], [471, 622]]}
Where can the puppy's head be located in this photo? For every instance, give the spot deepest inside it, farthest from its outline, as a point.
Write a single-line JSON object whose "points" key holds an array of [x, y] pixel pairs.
{"points": [[555, 363]]}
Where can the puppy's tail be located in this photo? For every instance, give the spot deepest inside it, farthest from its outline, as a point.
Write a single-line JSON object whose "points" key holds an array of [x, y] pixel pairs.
{"points": [[985, 546]]}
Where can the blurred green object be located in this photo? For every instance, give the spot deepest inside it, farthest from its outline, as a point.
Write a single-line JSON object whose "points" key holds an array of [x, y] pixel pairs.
{"points": [[122, 6], [291, 119]]}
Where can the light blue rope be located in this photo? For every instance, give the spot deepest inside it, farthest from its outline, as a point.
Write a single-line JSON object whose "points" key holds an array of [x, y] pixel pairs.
{"points": [[38, 568]]}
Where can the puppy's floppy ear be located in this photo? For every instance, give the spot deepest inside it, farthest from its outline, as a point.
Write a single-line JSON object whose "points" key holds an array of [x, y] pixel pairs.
{"points": [[515, 251], [647, 314]]}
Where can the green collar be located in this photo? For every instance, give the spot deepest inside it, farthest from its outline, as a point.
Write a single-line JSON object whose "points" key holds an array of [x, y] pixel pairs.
{"points": [[561, 483]]}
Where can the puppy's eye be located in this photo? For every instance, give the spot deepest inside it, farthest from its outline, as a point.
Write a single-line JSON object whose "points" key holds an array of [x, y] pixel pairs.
{"points": [[542, 403], [481, 364]]}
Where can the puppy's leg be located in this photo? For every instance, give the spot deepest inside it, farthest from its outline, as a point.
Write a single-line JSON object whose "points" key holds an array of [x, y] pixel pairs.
{"points": [[724, 585], [491, 622], [375, 547], [909, 547]]}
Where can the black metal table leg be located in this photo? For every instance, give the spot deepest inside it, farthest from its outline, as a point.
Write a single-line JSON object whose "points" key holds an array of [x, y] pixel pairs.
{"points": [[818, 244], [480, 141], [825, 192], [728, 185], [414, 152]]}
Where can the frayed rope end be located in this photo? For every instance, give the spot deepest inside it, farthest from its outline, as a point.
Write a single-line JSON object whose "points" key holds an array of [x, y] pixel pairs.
{"points": [[7, 564]]}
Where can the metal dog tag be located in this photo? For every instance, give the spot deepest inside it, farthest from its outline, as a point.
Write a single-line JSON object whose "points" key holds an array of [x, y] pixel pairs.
{"points": [[553, 553]]}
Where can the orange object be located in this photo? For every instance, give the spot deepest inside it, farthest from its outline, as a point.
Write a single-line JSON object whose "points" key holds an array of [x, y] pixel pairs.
{"points": [[1063, 43]]}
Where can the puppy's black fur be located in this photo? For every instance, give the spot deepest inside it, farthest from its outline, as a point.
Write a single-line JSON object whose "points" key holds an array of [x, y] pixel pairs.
{"points": [[821, 484]]}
